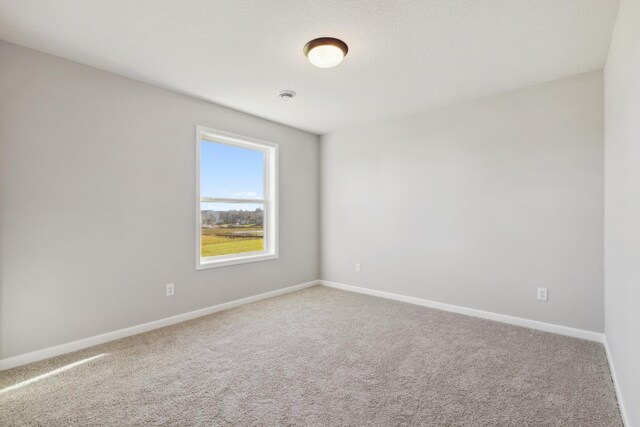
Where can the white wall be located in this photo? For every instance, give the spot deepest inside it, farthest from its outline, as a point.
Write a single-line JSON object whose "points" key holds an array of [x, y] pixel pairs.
{"points": [[97, 203], [476, 204], [622, 206]]}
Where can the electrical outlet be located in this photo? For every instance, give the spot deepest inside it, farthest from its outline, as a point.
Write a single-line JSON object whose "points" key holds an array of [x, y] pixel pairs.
{"points": [[357, 268], [542, 294], [170, 289]]}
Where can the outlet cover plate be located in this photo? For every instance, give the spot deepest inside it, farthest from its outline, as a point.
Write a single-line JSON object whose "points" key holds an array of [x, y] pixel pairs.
{"points": [[543, 294]]}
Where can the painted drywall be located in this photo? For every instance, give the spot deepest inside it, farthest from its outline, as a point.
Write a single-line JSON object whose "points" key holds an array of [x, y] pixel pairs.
{"points": [[97, 191], [476, 205], [622, 207]]}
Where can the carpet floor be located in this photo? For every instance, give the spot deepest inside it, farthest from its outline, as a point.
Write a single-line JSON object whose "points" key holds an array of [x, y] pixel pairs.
{"points": [[321, 357]]}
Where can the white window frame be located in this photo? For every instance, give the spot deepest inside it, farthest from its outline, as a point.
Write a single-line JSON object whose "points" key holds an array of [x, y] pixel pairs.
{"points": [[270, 201]]}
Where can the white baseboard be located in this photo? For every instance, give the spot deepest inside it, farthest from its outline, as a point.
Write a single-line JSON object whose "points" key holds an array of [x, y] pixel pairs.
{"points": [[46, 353], [616, 384], [518, 321]]}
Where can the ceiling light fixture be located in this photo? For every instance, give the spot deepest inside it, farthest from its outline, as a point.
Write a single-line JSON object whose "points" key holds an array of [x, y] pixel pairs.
{"points": [[326, 52]]}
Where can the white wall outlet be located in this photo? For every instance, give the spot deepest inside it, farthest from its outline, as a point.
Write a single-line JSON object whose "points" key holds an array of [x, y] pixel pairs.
{"points": [[170, 289], [542, 294], [357, 268]]}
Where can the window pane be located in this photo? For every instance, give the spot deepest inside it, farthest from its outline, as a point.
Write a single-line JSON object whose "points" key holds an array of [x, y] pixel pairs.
{"points": [[227, 171], [231, 228]]}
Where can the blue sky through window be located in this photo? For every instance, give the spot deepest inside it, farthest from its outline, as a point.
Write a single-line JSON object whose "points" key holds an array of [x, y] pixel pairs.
{"points": [[227, 171]]}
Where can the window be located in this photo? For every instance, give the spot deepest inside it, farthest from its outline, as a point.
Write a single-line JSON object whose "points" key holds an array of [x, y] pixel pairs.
{"points": [[236, 207]]}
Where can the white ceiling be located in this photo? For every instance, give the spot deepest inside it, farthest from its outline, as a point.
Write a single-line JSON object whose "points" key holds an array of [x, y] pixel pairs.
{"points": [[404, 55]]}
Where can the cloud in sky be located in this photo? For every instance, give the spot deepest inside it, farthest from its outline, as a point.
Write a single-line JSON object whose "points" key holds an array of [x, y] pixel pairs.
{"points": [[247, 193]]}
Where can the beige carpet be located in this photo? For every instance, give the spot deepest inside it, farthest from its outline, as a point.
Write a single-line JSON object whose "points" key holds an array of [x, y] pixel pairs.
{"points": [[323, 357]]}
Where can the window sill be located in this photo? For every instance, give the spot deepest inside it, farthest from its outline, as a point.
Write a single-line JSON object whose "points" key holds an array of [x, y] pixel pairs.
{"points": [[235, 260]]}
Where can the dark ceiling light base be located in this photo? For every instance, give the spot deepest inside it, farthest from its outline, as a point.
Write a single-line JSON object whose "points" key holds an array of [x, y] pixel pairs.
{"points": [[326, 41]]}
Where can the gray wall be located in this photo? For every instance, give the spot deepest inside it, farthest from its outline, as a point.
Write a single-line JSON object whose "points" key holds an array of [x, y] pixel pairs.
{"points": [[97, 203], [622, 205], [476, 204]]}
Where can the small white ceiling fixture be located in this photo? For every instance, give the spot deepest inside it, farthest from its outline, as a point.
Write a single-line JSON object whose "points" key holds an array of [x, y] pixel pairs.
{"points": [[326, 52], [287, 95]]}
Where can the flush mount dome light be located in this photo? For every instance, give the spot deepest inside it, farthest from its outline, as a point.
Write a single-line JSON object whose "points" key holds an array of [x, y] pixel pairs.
{"points": [[326, 52]]}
